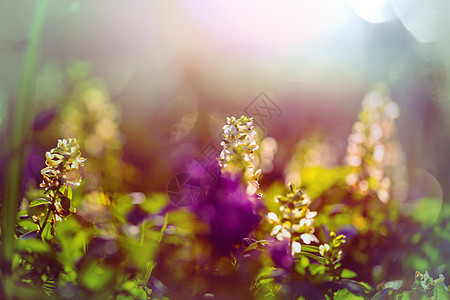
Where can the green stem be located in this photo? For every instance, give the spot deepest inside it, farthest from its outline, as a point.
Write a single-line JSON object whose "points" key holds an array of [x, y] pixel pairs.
{"points": [[17, 149], [44, 224], [151, 263]]}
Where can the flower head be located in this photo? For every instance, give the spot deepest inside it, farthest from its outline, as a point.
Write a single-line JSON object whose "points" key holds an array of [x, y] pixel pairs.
{"points": [[295, 220], [63, 163], [239, 144], [332, 252], [62, 171]]}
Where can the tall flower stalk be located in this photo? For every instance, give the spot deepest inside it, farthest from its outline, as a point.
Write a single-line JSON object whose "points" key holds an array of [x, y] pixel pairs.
{"points": [[239, 144], [62, 172], [295, 222], [374, 155]]}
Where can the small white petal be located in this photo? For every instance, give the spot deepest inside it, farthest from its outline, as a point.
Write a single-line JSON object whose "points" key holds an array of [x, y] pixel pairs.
{"points": [[276, 229], [296, 248], [307, 238], [272, 217], [311, 214]]}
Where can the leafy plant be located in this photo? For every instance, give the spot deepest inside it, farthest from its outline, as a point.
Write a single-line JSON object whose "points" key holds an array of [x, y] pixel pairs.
{"points": [[238, 238]]}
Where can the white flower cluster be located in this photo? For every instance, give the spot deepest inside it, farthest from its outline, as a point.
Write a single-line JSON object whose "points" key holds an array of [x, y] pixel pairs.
{"points": [[239, 141], [239, 144], [295, 221], [63, 163], [373, 153]]}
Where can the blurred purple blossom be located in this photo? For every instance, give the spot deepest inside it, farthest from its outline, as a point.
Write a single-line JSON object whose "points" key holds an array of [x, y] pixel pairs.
{"points": [[230, 213], [280, 253]]}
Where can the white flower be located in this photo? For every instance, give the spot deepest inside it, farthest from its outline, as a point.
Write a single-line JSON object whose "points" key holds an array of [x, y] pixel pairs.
{"points": [[324, 248], [229, 131], [273, 218], [307, 238], [296, 248]]}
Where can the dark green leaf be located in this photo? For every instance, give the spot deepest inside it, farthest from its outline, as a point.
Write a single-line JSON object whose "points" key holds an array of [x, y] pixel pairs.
{"points": [[354, 286]]}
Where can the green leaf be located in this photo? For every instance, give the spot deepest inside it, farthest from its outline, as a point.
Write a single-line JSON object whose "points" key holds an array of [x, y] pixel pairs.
{"points": [[315, 269], [255, 245], [154, 203], [32, 246], [440, 293], [310, 248], [28, 224], [139, 293], [128, 285], [347, 273], [345, 295], [318, 258], [66, 191], [39, 201], [355, 286], [47, 231], [95, 276]]}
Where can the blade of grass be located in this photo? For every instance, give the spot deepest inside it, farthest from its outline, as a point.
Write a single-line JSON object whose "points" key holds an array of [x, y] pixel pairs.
{"points": [[17, 146], [151, 264]]}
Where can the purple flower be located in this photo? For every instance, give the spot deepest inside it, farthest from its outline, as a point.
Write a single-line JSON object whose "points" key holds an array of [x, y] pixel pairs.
{"points": [[230, 213], [280, 252]]}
